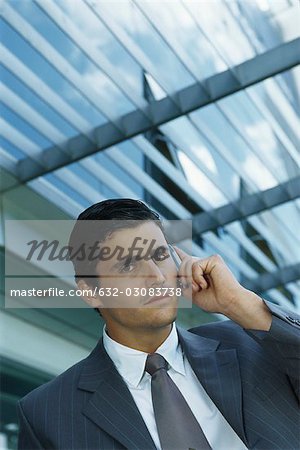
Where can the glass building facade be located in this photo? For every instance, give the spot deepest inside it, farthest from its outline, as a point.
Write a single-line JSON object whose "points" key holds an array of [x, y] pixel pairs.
{"points": [[191, 106]]}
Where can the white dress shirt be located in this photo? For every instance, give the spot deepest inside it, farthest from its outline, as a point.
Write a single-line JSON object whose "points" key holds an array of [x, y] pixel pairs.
{"points": [[131, 365]]}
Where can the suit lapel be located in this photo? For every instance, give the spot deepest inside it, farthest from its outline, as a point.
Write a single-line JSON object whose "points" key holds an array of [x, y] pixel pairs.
{"points": [[218, 372], [111, 406]]}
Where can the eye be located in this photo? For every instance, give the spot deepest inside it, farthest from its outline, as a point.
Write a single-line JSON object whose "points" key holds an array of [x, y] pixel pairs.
{"points": [[161, 254], [129, 267]]}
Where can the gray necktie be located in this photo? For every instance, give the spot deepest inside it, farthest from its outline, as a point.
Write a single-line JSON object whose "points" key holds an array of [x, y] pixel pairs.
{"points": [[177, 427]]}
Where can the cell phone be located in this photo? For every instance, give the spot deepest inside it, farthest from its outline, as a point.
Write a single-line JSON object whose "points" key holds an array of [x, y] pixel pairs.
{"points": [[174, 255], [177, 261]]}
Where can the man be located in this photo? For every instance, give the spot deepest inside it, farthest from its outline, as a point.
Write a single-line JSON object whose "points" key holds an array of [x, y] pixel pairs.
{"points": [[148, 384]]}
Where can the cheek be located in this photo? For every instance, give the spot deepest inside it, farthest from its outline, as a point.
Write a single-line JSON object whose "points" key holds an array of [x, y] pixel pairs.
{"points": [[169, 269]]}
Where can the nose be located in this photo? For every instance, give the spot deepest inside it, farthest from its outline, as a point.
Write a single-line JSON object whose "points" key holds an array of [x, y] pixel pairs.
{"points": [[154, 276]]}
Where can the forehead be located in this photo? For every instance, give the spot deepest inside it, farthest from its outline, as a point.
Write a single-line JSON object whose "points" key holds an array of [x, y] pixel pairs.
{"points": [[145, 230]]}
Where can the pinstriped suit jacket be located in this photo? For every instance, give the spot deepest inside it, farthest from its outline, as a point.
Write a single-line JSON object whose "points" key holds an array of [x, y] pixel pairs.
{"points": [[252, 377]]}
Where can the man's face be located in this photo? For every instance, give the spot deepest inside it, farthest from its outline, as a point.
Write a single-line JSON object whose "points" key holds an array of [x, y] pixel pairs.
{"points": [[137, 282]]}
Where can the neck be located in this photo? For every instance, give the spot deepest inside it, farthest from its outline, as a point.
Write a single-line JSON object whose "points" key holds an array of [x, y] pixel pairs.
{"points": [[146, 341]]}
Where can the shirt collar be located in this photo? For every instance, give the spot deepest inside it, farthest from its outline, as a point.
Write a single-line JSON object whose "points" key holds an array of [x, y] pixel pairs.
{"points": [[130, 363]]}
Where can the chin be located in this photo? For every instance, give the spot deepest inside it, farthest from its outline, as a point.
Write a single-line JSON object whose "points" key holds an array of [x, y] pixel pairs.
{"points": [[163, 317]]}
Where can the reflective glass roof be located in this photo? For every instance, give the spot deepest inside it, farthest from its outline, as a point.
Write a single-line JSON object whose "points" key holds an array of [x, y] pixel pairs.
{"points": [[69, 67]]}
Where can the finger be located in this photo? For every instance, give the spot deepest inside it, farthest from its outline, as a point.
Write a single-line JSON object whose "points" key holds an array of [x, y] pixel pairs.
{"points": [[182, 255], [185, 274], [196, 288], [199, 276], [185, 268]]}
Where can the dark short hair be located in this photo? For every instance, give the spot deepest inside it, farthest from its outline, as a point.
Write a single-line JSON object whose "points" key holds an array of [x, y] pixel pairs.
{"points": [[115, 210]]}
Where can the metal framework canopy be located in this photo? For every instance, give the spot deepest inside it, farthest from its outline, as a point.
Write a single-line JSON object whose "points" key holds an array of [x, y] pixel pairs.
{"points": [[202, 123], [271, 63]]}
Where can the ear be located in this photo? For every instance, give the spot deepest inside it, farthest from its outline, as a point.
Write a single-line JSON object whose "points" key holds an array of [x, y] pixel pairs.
{"points": [[89, 295]]}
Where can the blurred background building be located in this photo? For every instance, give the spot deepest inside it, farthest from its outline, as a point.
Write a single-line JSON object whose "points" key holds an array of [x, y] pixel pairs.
{"points": [[192, 106]]}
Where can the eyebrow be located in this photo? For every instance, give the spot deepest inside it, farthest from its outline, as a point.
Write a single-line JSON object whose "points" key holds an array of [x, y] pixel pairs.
{"points": [[118, 264], [122, 262]]}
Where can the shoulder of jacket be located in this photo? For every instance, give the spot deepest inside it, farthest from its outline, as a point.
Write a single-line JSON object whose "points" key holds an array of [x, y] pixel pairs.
{"points": [[41, 392], [225, 328]]}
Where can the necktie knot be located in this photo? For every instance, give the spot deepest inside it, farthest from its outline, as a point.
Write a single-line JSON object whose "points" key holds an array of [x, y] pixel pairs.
{"points": [[155, 362]]}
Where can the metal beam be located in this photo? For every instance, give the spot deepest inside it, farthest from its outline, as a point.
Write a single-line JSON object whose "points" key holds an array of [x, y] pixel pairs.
{"points": [[275, 279], [247, 206], [268, 64], [241, 209]]}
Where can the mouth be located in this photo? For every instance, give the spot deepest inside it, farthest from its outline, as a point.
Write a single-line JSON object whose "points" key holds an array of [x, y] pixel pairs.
{"points": [[157, 299]]}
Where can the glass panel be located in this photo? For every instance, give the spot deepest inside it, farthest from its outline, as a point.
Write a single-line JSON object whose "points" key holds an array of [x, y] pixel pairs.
{"points": [[72, 193], [289, 241], [180, 29], [93, 181], [242, 29], [133, 154], [23, 127], [11, 149], [291, 213], [254, 173], [272, 22], [84, 18], [90, 73], [47, 73], [222, 28], [200, 182], [216, 169], [274, 7], [169, 71], [257, 134], [285, 112], [35, 102]]}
